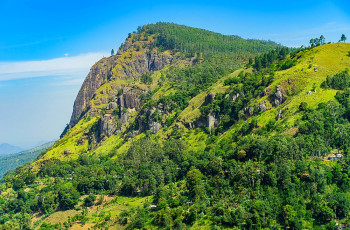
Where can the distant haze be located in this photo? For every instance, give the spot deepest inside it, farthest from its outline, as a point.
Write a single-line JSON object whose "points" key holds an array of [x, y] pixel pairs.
{"points": [[6, 149]]}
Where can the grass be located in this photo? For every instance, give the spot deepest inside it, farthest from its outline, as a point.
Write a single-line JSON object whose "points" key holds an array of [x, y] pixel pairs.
{"points": [[111, 206], [192, 112], [71, 145], [295, 82], [108, 146], [298, 80]]}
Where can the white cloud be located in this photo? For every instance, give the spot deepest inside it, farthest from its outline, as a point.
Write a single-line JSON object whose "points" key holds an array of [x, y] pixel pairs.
{"points": [[65, 66]]}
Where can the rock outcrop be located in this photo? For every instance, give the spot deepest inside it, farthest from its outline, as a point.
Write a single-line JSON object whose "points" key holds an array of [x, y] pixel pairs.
{"points": [[262, 107], [98, 74], [213, 120], [278, 97], [127, 65]]}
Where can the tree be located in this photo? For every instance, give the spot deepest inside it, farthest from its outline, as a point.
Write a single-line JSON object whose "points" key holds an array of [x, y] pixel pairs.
{"points": [[112, 52], [343, 38], [312, 42], [194, 183], [322, 40], [67, 198], [89, 200]]}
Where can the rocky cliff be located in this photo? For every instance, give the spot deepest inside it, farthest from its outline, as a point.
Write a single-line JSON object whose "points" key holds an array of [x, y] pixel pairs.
{"points": [[134, 58]]}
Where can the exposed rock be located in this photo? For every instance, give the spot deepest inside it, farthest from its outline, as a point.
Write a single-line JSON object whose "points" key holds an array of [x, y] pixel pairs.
{"points": [[107, 125], [278, 97], [309, 92], [158, 61], [234, 98], [212, 121], [98, 74], [124, 117], [154, 126], [130, 98], [251, 111], [315, 69], [111, 105], [142, 62], [148, 122], [279, 115], [262, 107]]}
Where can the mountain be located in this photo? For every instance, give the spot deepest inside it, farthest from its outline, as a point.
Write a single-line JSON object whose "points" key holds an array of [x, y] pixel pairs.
{"points": [[11, 162], [6, 149], [189, 129]]}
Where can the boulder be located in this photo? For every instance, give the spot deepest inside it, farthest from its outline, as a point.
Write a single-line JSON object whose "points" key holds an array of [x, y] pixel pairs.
{"points": [[212, 121], [262, 107], [111, 105], [278, 97]]}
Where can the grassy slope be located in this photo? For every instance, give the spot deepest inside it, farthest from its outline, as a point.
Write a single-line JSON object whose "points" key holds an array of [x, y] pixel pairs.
{"points": [[328, 59], [112, 206]]}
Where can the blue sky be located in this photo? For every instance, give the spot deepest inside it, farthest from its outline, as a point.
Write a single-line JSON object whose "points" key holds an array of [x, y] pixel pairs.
{"points": [[48, 47]]}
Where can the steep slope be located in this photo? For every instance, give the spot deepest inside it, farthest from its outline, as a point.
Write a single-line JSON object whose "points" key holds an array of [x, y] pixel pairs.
{"points": [[110, 100], [200, 142]]}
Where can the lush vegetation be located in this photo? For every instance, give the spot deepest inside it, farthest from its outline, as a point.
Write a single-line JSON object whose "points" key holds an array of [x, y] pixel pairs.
{"points": [[264, 182], [193, 40], [251, 170], [11, 162], [338, 81]]}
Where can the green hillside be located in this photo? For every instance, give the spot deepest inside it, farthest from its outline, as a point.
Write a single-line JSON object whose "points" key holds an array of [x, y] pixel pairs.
{"points": [[11, 162], [190, 129]]}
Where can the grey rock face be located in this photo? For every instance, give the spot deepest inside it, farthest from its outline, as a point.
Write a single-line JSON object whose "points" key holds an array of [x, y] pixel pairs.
{"points": [[107, 125], [234, 98], [278, 97], [146, 62], [250, 111], [212, 121], [124, 117], [111, 105], [279, 115], [158, 61], [262, 107], [98, 74], [154, 126], [130, 98]]}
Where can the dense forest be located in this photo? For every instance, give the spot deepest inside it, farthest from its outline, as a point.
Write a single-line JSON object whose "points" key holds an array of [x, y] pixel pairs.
{"points": [[189, 40], [263, 165]]}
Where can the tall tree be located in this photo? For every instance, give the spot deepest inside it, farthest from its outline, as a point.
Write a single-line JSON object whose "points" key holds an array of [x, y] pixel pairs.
{"points": [[112, 52], [312, 42], [322, 40], [343, 38]]}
